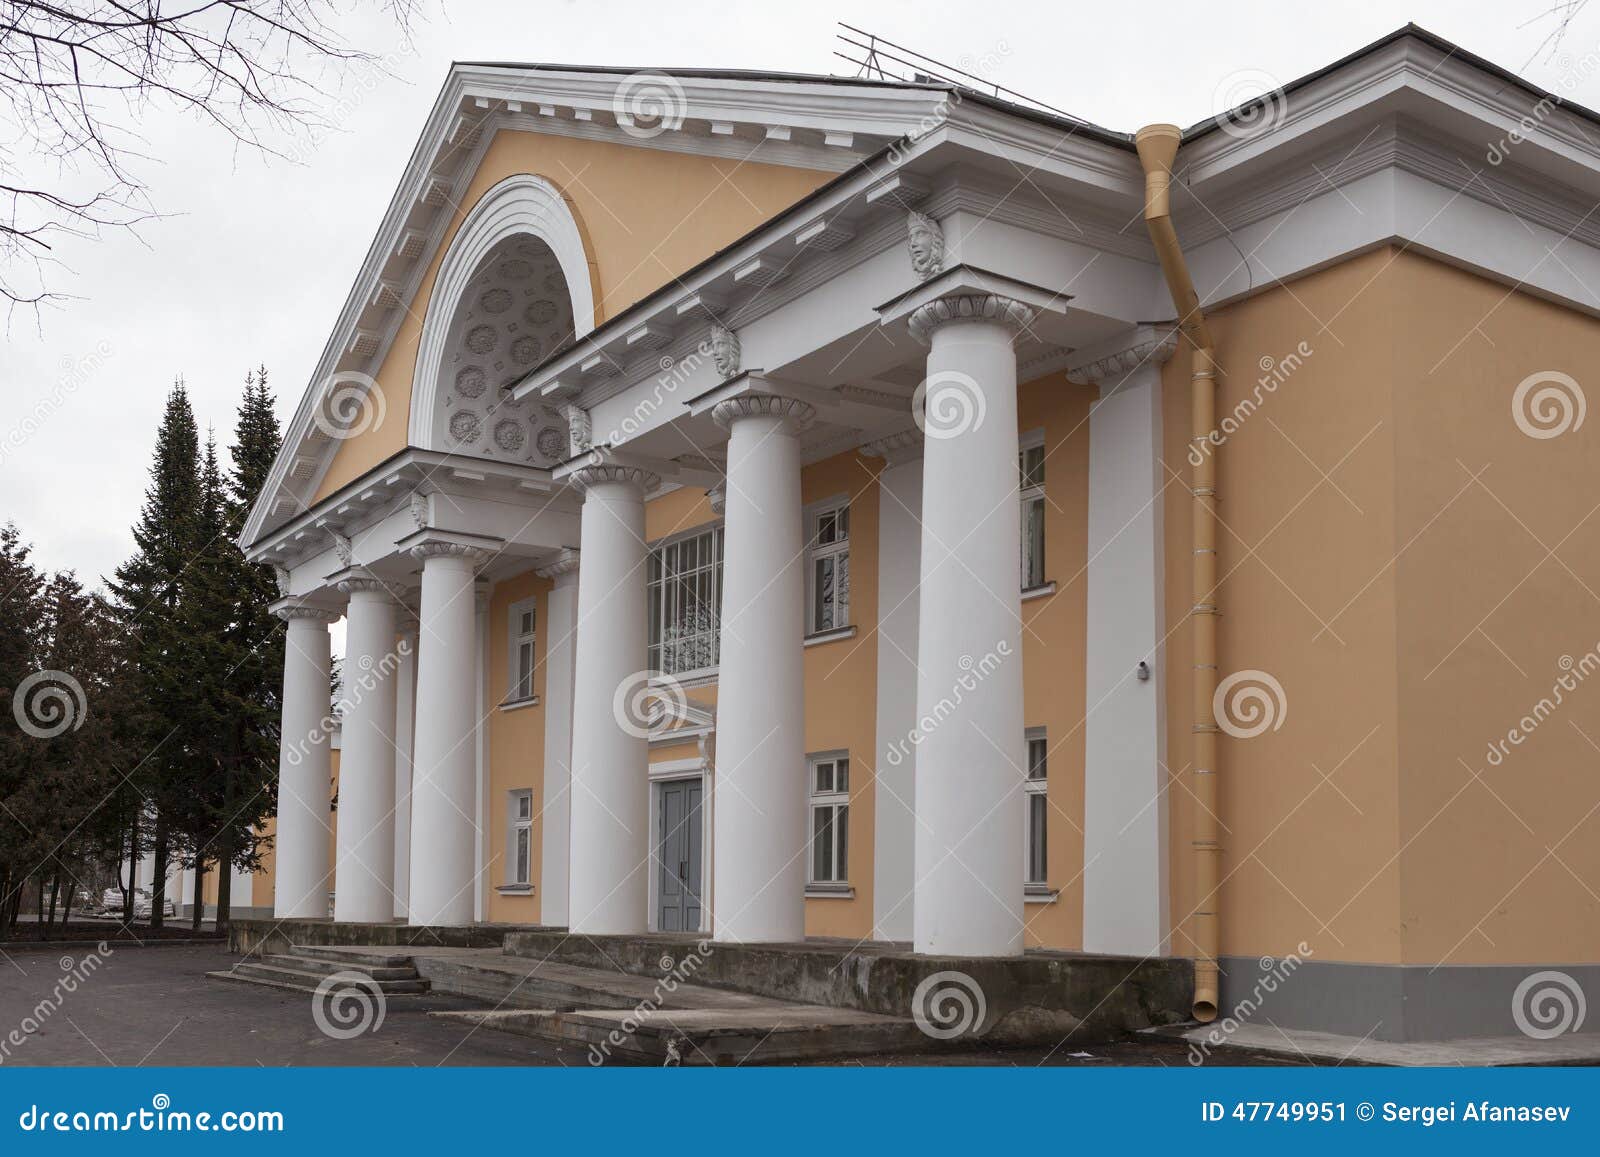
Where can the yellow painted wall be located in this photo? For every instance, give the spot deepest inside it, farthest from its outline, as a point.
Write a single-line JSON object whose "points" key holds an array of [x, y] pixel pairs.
{"points": [[841, 680], [1053, 642], [516, 743], [1498, 591], [647, 216], [1308, 595]]}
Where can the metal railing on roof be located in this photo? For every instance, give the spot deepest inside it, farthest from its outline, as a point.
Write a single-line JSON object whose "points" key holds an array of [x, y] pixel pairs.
{"points": [[877, 58]]}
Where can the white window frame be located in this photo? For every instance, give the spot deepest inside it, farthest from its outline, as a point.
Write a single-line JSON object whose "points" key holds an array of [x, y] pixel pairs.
{"points": [[1035, 787], [661, 596], [516, 824], [516, 639], [837, 800], [816, 552], [1029, 497]]}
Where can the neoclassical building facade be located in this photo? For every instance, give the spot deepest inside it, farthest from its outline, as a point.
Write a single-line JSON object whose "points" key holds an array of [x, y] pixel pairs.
{"points": [[777, 507]]}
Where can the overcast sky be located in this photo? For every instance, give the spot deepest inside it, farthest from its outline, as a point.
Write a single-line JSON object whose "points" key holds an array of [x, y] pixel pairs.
{"points": [[255, 257]]}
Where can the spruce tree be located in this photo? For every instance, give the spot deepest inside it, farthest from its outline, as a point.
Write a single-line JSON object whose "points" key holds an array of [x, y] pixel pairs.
{"points": [[148, 591], [21, 588]]}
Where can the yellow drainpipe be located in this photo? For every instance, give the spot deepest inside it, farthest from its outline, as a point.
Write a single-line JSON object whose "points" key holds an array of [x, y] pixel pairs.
{"points": [[1158, 147]]}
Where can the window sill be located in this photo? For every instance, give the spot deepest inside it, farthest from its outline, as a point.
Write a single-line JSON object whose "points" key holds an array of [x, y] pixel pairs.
{"points": [[821, 637], [830, 892], [1040, 894], [518, 704], [515, 889], [1044, 590]]}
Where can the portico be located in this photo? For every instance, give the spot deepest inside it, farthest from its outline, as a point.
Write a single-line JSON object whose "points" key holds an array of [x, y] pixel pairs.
{"points": [[661, 556]]}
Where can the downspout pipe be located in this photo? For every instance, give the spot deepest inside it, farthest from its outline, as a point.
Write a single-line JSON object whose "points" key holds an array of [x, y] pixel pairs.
{"points": [[1158, 148]]}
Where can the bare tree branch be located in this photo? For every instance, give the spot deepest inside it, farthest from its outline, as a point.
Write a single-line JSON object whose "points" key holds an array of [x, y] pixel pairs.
{"points": [[77, 76]]}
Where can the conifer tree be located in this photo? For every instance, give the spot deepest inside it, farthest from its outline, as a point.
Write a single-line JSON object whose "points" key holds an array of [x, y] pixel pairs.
{"points": [[148, 591]]}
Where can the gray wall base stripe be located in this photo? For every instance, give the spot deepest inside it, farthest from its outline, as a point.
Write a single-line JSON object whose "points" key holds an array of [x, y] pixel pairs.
{"points": [[1393, 1002]]}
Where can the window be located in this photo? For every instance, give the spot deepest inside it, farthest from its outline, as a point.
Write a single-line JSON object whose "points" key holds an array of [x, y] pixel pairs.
{"points": [[685, 591], [519, 844], [828, 567], [1037, 802], [521, 620], [830, 819], [1031, 466]]}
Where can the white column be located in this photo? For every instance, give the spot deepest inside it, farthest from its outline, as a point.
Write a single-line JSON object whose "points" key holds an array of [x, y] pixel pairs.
{"points": [[305, 771], [1124, 804], [443, 791], [404, 727], [364, 865], [970, 759], [480, 757], [759, 826], [610, 831], [895, 784], [555, 815]]}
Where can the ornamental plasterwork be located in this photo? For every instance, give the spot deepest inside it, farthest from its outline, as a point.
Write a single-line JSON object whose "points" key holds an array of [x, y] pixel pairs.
{"points": [[925, 239], [281, 575], [580, 431], [1151, 351], [725, 351], [959, 307], [419, 511], [513, 313], [343, 548]]}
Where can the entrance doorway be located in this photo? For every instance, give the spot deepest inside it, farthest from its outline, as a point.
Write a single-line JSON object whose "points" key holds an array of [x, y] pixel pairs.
{"points": [[680, 838]]}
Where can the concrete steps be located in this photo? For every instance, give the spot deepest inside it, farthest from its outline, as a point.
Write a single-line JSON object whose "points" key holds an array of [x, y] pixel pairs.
{"points": [[308, 968], [729, 1036]]}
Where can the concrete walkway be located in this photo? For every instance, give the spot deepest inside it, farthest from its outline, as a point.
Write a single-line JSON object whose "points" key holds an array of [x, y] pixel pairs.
{"points": [[1322, 1048]]}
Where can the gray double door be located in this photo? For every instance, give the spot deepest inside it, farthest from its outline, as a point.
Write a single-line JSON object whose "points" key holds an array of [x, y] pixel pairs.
{"points": [[680, 830]]}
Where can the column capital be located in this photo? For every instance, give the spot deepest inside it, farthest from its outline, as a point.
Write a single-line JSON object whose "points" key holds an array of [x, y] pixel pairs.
{"points": [[1113, 360], [360, 580], [290, 609], [426, 544], [965, 293], [965, 307], [599, 472], [901, 446], [438, 549], [795, 413], [564, 565]]}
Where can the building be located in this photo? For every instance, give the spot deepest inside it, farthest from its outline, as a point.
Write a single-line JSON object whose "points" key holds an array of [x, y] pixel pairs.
{"points": [[788, 506]]}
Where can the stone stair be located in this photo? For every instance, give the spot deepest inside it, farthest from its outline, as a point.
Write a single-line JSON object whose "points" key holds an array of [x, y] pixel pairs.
{"points": [[305, 967]]}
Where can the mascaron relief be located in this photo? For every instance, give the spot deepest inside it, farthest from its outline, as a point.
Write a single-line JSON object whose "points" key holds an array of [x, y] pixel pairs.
{"points": [[724, 351], [925, 239]]}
